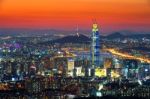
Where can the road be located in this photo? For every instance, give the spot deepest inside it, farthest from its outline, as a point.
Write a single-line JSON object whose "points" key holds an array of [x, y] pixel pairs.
{"points": [[114, 52]]}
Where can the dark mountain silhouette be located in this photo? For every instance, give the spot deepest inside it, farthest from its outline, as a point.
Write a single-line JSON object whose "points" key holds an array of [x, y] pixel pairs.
{"points": [[84, 39], [139, 36], [117, 35], [70, 39], [73, 39]]}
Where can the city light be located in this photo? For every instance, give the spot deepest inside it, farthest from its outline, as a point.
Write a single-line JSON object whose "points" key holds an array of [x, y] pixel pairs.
{"points": [[100, 72], [113, 51], [49, 66]]}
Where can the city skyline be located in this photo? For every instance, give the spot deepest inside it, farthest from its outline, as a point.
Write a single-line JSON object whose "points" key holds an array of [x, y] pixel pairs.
{"points": [[111, 15], [74, 49]]}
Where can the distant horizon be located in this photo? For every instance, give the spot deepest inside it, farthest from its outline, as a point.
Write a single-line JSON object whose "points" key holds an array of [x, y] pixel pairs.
{"points": [[74, 29], [64, 32]]}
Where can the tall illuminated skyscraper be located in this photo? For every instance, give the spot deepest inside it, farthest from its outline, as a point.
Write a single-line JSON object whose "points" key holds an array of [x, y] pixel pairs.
{"points": [[95, 46]]}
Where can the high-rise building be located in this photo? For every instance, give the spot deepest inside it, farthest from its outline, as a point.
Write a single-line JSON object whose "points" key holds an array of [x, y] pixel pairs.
{"points": [[64, 65], [95, 46]]}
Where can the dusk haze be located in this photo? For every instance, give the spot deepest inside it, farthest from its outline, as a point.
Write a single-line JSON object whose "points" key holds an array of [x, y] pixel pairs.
{"points": [[111, 15]]}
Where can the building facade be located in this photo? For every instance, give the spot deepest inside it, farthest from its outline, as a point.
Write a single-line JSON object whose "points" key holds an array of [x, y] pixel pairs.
{"points": [[95, 46]]}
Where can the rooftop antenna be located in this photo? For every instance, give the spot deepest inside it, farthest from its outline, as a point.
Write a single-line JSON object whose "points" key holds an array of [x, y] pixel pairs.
{"points": [[78, 31]]}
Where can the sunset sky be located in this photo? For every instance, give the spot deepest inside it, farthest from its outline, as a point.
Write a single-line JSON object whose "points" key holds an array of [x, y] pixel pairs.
{"points": [[111, 15]]}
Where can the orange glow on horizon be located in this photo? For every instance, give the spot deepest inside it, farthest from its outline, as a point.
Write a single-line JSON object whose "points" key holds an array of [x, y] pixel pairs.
{"points": [[66, 14]]}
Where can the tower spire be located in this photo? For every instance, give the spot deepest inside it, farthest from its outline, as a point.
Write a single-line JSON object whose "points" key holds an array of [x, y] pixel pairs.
{"points": [[77, 31]]}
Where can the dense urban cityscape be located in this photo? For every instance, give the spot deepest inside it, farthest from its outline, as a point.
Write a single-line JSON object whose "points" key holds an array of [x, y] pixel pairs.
{"points": [[50, 66], [74, 49]]}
